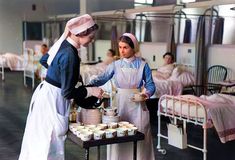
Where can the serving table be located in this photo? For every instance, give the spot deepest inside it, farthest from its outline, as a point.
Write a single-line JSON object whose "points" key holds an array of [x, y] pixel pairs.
{"points": [[97, 143]]}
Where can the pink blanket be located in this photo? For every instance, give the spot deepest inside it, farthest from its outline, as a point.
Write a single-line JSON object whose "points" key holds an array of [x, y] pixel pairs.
{"points": [[167, 87], [14, 61], [221, 110]]}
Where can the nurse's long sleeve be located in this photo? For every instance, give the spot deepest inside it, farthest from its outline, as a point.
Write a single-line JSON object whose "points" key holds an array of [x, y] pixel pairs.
{"points": [[104, 77], [43, 60], [69, 70], [149, 84]]}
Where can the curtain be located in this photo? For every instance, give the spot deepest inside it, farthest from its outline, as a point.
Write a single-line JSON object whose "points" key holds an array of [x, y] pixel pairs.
{"points": [[218, 31], [148, 29], [134, 27], [171, 46], [114, 38], [128, 27], [201, 56], [187, 31]]}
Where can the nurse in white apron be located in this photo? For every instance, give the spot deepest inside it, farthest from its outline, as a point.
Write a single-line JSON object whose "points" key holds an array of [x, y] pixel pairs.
{"points": [[130, 74], [47, 121]]}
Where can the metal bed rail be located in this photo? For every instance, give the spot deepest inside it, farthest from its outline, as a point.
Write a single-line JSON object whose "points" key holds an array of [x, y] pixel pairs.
{"points": [[169, 111]]}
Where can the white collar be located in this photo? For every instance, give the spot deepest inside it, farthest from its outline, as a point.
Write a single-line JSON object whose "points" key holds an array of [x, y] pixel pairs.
{"points": [[73, 43], [128, 60]]}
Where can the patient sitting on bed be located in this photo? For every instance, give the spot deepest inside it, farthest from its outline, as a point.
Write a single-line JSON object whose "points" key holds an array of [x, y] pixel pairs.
{"points": [[165, 71]]}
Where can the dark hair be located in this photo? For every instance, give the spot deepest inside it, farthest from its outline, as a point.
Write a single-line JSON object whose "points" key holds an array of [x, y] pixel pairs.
{"points": [[44, 45], [112, 51], [127, 40], [88, 31], [169, 54]]}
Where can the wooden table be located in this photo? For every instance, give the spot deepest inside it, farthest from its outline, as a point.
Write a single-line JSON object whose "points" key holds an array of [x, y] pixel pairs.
{"points": [[97, 143], [227, 84]]}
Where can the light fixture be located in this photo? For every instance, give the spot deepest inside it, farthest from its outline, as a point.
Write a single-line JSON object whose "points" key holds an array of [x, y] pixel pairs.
{"points": [[187, 1]]}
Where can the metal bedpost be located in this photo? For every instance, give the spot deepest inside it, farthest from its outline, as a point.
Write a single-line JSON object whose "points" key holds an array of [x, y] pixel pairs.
{"points": [[204, 143], [159, 126]]}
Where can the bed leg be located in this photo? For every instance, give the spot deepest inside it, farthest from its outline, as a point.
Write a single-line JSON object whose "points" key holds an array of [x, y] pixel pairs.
{"points": [[204, 143], [159, 131], [25, 81]]}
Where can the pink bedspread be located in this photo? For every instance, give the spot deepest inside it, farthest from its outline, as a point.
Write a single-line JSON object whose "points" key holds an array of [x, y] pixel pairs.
{"points": [[14, 61], [221, 110], [167, 87]]}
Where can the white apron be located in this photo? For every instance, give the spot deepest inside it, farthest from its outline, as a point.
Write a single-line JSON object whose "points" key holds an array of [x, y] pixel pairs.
{"points": [[133, 112], [45, 130]]}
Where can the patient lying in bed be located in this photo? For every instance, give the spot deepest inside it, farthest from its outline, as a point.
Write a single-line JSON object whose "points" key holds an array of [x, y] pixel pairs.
{"points": [[170, 79], [164, 72]]}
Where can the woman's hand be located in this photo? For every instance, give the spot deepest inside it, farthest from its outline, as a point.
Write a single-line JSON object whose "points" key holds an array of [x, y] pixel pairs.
{"points": [[94, 91]]}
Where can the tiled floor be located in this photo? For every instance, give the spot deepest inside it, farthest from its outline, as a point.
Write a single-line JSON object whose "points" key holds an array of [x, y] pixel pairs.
{"points": [[14, 102]]}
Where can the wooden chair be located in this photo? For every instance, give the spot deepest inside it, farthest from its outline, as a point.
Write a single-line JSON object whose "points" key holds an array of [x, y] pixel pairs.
{"points": [[215, 74]]}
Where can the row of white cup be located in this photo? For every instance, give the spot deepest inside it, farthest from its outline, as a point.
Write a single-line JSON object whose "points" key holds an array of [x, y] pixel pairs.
{"points": [[100, 131]]}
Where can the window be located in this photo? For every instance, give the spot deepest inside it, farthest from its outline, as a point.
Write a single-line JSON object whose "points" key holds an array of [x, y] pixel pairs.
{"points": [[139, 3], [32, 31]]}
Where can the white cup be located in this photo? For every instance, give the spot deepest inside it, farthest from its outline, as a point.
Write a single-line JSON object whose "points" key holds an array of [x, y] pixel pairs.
{"points": [[121, 132], [129, 125], [132, 131], [102, 126], [123, 123], [79, 131], [99, 135], [90, 126], [110, 133], [110, 111], [112, 125], [86, 135]]}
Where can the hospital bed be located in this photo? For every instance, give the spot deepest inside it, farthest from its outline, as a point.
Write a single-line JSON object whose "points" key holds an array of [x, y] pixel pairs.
{"points": [[12, 61], [217, 111], [181, 77]]}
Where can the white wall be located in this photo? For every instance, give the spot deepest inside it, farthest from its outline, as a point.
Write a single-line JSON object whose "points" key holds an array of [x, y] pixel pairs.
{"points": [[101, 48], [217, 55], [14, 12], [186, 54], [223, 55], [150, 50], [10, 31]]}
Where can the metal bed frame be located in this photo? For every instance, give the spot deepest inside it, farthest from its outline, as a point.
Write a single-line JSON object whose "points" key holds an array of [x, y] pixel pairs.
{"points": [[170, 111]]}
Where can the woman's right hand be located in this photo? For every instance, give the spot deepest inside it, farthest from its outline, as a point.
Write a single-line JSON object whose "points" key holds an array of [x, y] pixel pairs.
{"points": [[94, 91]]}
